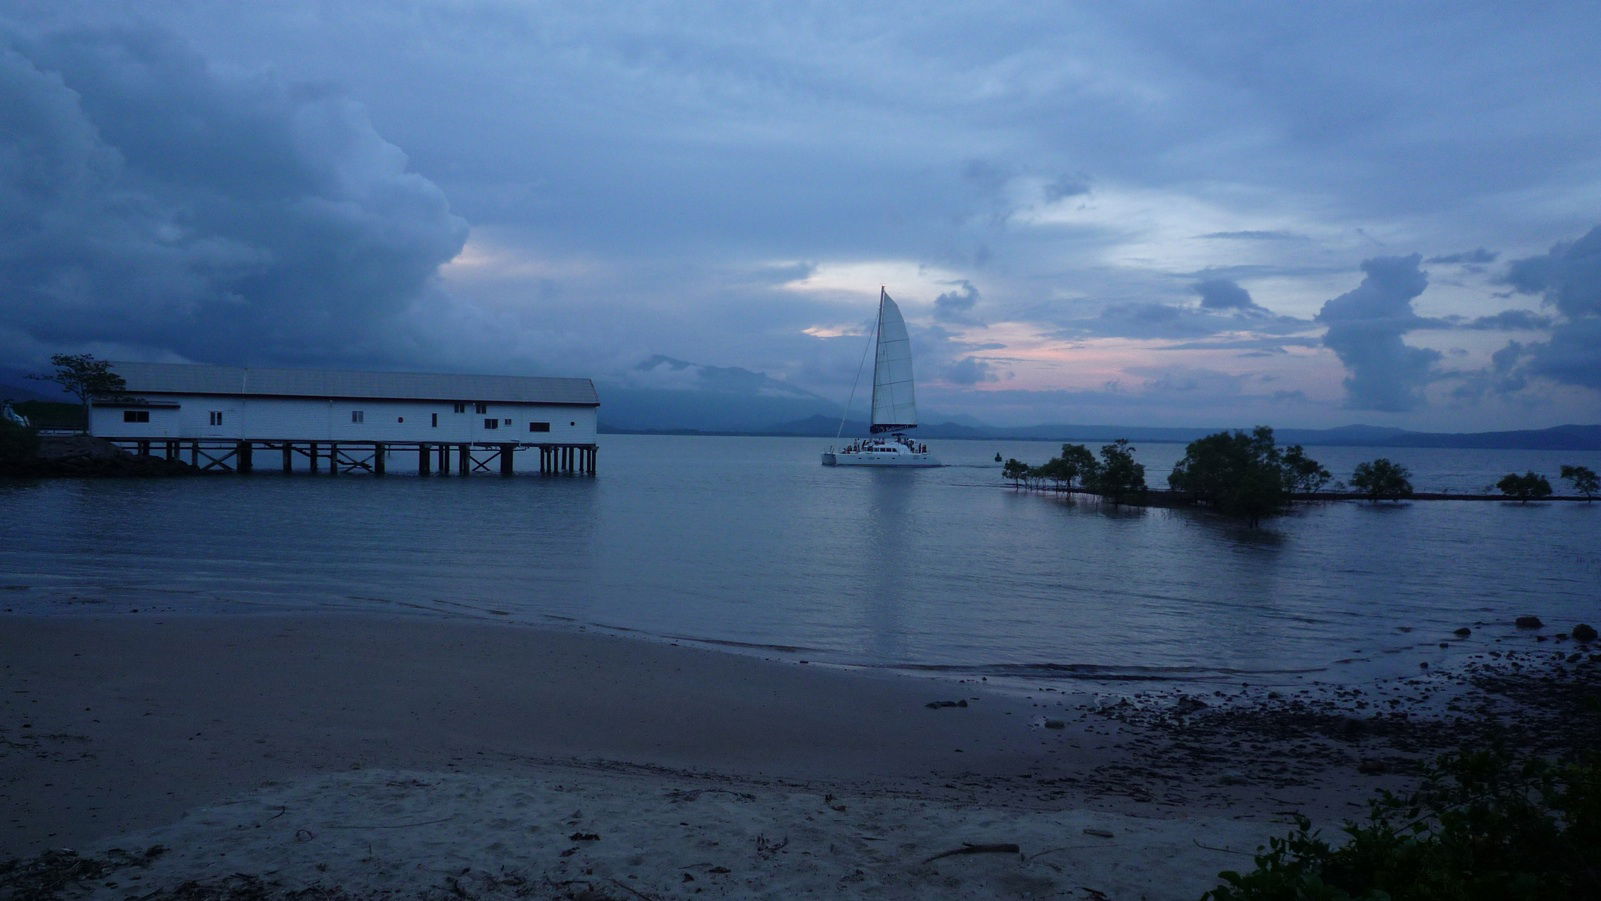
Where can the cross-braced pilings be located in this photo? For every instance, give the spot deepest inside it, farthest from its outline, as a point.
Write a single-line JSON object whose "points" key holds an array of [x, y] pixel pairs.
{"points": [[333, 457]]}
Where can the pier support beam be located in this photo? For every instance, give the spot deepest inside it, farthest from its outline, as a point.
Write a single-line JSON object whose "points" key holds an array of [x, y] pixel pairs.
{"points": [[463, 458], [378, 451], [423, 460], [244, 456], [506, 458]]}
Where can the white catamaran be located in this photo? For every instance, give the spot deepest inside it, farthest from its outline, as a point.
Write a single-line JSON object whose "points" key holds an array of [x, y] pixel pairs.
{"points": [[894, 402]]}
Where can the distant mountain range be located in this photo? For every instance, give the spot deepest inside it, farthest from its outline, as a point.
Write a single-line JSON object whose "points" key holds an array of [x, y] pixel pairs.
{"points": [[673, 396], [1563, 437]]}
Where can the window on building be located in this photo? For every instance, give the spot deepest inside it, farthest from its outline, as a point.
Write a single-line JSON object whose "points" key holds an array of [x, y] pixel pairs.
{"points": [[216, 417], [505, 422], [491, 423], [435, 423], [460, 408], [358, 415], [481, 408], [539, 427], [135, 415]]}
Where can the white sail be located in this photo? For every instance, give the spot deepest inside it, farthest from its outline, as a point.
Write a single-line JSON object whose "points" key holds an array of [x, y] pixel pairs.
{"points": [[894, 400]]}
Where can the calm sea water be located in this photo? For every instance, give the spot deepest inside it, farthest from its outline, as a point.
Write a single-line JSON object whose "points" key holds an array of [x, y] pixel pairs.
{"points": [[750, 543]]}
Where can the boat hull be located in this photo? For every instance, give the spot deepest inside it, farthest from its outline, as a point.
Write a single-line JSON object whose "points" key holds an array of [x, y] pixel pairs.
{"points": [[868, 458]]}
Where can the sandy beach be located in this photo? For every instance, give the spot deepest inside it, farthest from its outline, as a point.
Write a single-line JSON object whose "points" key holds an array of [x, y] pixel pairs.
{"points": [[369, 757]]}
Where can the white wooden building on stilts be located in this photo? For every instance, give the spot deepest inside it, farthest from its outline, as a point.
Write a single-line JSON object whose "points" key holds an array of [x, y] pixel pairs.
{"points": [[311, 420]]}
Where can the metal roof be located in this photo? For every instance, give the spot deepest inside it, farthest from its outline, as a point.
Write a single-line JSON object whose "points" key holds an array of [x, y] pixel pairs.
{"points": [[188, 378]]}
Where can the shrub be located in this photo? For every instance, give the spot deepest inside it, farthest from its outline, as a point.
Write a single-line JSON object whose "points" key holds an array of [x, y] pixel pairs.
{"points": [[1482, 825]]}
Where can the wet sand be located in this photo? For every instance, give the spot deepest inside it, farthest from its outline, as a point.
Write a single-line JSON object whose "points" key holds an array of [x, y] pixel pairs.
{"points": [[375, 754]]}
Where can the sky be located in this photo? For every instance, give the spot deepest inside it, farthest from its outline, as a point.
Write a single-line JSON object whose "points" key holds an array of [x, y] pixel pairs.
{"points": [[1179, 214]]}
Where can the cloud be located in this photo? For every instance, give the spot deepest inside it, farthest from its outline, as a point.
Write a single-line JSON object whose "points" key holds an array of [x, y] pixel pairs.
{"points": [[970, 371], [1256, 235], [1187, 379], [1272, 345], [1224, 294], [1510, 321], [1568, 277], [957, 306], [149, 200], [1479, 256], [1165, 321], [1065, 186], [1365, 329], [664, 372]]}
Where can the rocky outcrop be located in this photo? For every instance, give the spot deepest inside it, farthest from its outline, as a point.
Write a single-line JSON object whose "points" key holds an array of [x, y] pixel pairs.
{"points": [[80, 455]]}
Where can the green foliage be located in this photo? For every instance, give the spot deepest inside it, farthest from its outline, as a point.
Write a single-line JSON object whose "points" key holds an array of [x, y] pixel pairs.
{"points": [[1302, 474], [1245, 475], [84, 377], [1583, 479], [1239, 474], [1118, 477], [1482, 825], [1076, 464], [1381, 479], [1524, 487], [17, 443], [1015, 470]]}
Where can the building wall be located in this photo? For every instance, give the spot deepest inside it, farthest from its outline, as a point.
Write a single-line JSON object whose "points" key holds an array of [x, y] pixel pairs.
{"points": [[306, 419]]}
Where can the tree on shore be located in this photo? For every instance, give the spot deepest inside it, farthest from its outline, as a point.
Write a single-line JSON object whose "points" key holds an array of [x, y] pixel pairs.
{"points": [[1076, 464], [1016, 470], [1524, 487], [1381, 479], [1245, 474], [1117, 477], [85, 378], [1584, 481], [1302, 474], [1236, 473]]}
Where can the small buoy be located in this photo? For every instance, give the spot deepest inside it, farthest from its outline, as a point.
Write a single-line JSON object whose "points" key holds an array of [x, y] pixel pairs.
{"points": [[997, 458]]}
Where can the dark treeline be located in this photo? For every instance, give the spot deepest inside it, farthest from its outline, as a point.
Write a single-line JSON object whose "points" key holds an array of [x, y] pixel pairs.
{"points": [[1248, 476]]}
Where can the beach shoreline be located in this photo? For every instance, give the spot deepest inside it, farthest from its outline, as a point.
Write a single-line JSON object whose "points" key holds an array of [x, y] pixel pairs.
{"points": [[192, 732]]}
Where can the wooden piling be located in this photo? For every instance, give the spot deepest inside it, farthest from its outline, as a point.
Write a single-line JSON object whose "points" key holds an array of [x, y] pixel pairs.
{"points": [[378, 452], [506, 459]]}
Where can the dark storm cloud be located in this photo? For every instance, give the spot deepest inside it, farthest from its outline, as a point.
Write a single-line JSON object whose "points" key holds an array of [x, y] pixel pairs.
{"points": [[1479, 256], [1568, 278], [1365, 329], [149, 201], [957, 305], [1224, 294]]}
